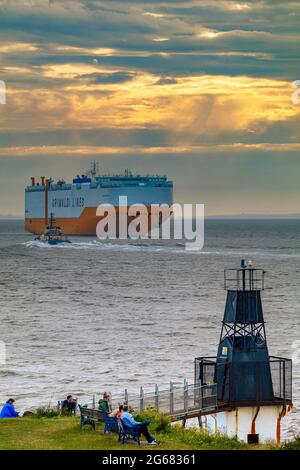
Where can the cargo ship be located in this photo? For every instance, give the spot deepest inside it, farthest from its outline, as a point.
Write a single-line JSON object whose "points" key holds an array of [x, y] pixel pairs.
{"points": [[74, 205]]}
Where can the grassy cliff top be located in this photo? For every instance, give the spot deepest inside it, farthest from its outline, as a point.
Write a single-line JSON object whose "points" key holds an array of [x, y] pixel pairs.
{"points": [[64, 433]]}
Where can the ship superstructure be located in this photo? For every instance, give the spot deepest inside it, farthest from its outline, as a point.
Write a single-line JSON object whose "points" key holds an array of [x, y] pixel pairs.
{"points": [[74, 204], [53, 234]]}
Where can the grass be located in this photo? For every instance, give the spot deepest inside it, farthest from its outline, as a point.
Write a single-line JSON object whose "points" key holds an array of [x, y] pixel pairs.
{"points": [[195, 438], [64, 433], [292, 445], [46, 412]]}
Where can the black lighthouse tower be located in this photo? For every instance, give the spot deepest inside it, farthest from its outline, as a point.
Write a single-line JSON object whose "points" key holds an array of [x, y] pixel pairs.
{"points": [[243, 371]]}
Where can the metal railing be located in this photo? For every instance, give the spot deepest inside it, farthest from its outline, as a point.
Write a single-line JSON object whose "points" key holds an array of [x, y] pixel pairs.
{"points": [[246, 278], [258, 382], [172, 401]]}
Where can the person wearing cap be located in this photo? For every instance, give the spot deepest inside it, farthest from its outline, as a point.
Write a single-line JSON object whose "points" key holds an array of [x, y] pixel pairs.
{"points": [[8, 410]]}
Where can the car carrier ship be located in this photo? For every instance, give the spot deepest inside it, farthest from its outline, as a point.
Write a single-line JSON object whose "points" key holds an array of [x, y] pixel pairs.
{"points": [[74, 204]]}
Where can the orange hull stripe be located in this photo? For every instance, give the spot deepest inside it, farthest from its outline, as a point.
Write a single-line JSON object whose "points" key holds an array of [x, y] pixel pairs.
{"points": [[84, 225]]}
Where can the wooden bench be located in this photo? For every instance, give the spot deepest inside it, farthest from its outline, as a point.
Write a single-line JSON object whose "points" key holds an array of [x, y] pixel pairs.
{"points": [[90, 416], [127, 433], [111, 424]]}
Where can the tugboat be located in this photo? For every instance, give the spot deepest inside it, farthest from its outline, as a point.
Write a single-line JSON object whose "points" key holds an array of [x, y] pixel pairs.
{"points": [[53, 234]]}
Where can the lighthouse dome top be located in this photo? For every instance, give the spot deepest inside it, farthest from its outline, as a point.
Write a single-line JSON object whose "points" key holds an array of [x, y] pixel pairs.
{"points": [[245, 277]]}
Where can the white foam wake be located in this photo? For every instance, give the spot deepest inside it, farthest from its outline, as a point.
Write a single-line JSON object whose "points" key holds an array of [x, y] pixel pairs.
{"points": [[156, 247], [97, 245]]}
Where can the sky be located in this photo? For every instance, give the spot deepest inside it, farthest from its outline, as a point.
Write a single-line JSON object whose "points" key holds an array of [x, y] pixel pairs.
{"points": [[198, 90]]}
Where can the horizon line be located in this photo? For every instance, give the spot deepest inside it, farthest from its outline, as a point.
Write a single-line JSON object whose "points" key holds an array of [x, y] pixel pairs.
{"points": [[209, 216]]}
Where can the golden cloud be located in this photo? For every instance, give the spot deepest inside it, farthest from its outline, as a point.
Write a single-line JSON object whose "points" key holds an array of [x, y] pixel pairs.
{"points": [[11, 47], [53, 150], [197, 105]]}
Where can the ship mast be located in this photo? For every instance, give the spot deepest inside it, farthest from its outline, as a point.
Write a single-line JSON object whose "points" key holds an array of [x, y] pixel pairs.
{"points": [[46, 199], [94, 168]]}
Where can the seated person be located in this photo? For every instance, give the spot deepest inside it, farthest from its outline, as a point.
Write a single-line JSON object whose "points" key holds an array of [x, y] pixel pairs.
{"points": [[104, 404], [129, 421], [116, 413], [8, 410], [69, 405], [112, 420]]}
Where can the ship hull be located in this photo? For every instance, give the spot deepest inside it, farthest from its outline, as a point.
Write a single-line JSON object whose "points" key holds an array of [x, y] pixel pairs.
{"points": [[86, 223], [75, 205]]}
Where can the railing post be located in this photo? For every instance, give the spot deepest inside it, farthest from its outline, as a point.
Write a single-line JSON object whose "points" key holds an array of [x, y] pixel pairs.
{"points": [[201, 372], [283, 380], [280, 381], [141, 399], [126, 396], [186, 395], [156, 397], [171, 398]]}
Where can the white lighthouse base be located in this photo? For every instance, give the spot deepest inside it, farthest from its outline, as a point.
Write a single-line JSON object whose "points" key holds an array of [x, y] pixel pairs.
{"points": [[244, 421]]}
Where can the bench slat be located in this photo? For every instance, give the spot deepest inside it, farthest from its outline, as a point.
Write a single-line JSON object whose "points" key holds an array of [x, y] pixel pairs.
{"points": [[90, 416]]}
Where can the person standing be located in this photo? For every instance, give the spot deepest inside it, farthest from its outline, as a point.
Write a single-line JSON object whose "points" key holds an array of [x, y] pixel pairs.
{"points": [[104, 404]]}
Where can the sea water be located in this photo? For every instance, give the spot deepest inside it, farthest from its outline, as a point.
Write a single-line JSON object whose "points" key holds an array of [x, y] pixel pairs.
{"points": [[95, 316]]}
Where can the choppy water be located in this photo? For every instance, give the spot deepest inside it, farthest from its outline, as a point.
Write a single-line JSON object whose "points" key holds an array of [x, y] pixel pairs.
{"points": [[91, 316]]}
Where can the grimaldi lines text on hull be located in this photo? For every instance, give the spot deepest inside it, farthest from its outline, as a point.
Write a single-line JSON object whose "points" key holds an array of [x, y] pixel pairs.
{"points": [[74, 204]]}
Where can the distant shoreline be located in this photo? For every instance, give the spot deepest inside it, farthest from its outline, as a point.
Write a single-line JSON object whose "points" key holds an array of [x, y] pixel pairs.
{"points": [[216, 217]]}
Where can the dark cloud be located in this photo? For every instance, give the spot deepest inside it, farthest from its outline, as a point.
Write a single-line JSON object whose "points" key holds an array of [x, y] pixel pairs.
{"points": [[166, 81], [87, 137], [106, 78], [115, 42], [270, 28]]}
